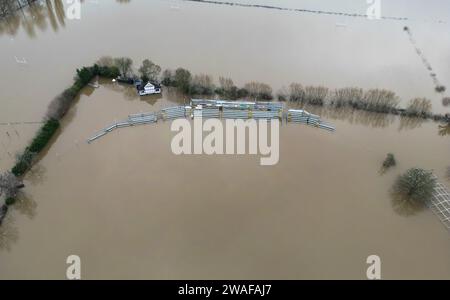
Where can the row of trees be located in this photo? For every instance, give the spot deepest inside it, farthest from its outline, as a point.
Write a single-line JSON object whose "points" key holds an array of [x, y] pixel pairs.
{"points": [[419, 107], [378, 100], [374, 100], [203, 84], [148, 71]]}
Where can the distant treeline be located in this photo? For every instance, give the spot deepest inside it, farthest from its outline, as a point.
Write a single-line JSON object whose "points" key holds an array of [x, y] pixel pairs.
{"points": [[372, 100]]}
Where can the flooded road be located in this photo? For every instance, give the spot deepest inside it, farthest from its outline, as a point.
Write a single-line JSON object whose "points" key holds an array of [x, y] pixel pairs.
{"points": [[131, 209]]}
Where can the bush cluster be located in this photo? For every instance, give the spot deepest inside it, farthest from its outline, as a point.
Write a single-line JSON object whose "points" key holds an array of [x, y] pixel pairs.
{"points": [[389, 161], [415, 186]]}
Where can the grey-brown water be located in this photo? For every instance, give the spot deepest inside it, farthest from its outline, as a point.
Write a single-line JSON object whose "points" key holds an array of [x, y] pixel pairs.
{"points": [[131, 209]]}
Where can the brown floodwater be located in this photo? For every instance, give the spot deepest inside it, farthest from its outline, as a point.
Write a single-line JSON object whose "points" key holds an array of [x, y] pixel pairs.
{"points": [[131, 209]]}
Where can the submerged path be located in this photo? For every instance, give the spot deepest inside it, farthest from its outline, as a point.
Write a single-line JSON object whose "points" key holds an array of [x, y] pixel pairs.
{"points": [[424, 60], [301, 10]]}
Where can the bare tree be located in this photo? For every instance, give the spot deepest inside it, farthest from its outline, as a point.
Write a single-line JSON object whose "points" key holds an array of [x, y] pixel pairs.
{"points": [[296, 92], [149, 70], [380, 101], [347, 96], [124, 64], [105, 61], [283, 94], [226, 83], [419, 107], [315, 95]]}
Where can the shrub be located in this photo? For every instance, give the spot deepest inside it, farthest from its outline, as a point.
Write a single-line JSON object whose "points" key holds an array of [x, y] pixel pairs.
{"points": [[10, 201], [440, 88], [419, 107], [85, 75], [108, 72], [389, 161], [415, 185], [446, 101]]}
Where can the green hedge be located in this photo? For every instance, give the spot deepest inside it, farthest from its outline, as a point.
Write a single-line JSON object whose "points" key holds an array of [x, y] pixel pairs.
{"points": [[44, 135], [37, 145], [10, 201]]}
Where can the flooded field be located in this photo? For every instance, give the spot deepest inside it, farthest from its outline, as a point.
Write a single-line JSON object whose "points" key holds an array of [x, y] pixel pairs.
{"points": [[131, 209]]}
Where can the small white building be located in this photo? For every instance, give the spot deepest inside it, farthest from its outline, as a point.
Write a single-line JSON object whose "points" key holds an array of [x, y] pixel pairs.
{"points": [[149, 89]]}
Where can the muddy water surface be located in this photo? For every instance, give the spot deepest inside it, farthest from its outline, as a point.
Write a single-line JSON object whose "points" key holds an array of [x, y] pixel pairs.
{"points": [[132, 209]]}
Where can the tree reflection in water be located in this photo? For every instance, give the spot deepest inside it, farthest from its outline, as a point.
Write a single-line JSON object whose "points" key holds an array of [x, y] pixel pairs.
{"points": [[26, 205], [404, 206], [444, 129], [9, 233], [31, 17]]}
